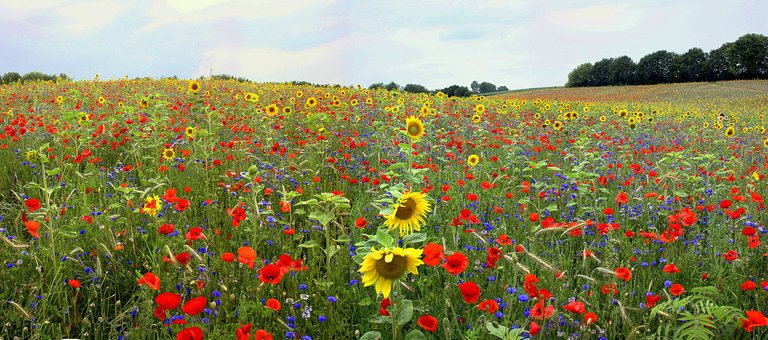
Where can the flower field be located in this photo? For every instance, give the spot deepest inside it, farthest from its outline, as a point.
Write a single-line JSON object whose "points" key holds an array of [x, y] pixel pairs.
{"points": [[137, 209]]}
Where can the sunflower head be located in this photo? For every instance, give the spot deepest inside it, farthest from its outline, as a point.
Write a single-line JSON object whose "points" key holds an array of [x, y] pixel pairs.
{"points": [[190, 132], [311, 102], [472, 160], [730, 131], [479, 108], [194, 86], [409, 213], [382, 267], [169, 154], [271, 110], [414, 127]]}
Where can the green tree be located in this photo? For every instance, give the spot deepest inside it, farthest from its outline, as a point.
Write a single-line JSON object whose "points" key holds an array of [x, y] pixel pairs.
{"points": [[655, 68], [580, 76], [621, 71], [486, 87], [475, 87], [457, 91], [718, 66], [376, 86], [392, 86], [749, 56], [502, 88], [689, 66], [415, 88], [11, 77]]}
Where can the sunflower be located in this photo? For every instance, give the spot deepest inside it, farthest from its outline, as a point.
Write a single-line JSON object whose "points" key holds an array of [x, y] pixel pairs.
{"points": [[384, 266], [479, 108], [194, 86], [169, 154], [311, 101], [414, 127], [472, 160], [287, 110], [765, 142], [730, 131], [623, 113], [32, 155], [271, 110], [557, 125], [190, 132], [408, 214], [353, 102], [602, 118]]}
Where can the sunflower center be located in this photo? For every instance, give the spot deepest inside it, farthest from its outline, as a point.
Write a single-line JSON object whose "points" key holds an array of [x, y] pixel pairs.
{"points": [[406, 209], [414, 130], [392, 270]]}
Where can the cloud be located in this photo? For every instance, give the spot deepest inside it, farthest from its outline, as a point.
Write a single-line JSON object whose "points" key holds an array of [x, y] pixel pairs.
{"points": [[598, 18], [90, 16]]}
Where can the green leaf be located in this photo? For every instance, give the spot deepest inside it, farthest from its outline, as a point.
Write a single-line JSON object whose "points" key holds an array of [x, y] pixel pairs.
{"points": [[415, 335], [404, 312], [332, 250], [322, 217], [385, 239], [414, 238], [365, 302], [309, 244], [343, 239], [52, 172], [551, 207], [371, 335]]}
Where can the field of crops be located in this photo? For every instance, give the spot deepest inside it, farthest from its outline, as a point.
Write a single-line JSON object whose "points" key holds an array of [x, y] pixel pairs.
{"points": [[138, 209]]}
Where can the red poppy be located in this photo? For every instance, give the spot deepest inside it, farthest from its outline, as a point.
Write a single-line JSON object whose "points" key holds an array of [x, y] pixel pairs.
{"points": [[671, 268], [271, 273], [725, 204], [748, 285], [76, 284], [428, 323], [360, 223], [456, 263], [676, 289], [433, 254], [575, 307], [472, 197], [623, 273], [166, 229], [33, 204], [194, 306], [32, 227], [194, 233], [622, 198], [246, 255], [754, 319], [273, 304], [488, 305], [533, 217], [262, 335], [384, 304], [494, 254], [244, 332], [151, 280], [228, 257], [470, 291], [540, 312], [534, 328], [650, 300], [609, 288], [731, 255], [183, 258], [192, 333], [590, 317], [168, 301], [608, 211]]}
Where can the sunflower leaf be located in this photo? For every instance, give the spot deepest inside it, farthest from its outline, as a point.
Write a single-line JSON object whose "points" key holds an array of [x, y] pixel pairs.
{"points": [[414, 238], [385, 239], [404, 312]]}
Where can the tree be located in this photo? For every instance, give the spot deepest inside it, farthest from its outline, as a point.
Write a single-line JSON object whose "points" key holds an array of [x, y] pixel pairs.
{"points": [[486, 87], [376, 86], [392, 86], [718, 66], [11, 77], [621, 71], [749, 56], [415, 88], [689, 66], [456, 91], [599, 72], [475, 86], [502, 88], [655, 68], [580, 76]]}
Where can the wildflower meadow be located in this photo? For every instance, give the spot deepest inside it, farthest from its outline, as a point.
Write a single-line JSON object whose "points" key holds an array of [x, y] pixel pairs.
{"points": [[217, 209]]}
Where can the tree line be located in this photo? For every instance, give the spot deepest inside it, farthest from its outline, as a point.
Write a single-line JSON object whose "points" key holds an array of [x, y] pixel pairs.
{"points": [[450, 91], [745, 58], [12, 77]]}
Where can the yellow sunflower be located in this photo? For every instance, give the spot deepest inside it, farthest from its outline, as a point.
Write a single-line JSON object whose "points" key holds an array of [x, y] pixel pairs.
{"points": [[384, 266], [476, 118], [271, 110], [473, 160], [169, 154], [479, 108], [730, 131], [765, 142], [194, 86], [190, 132], [311, 101], [408, 214], [414, 127]]}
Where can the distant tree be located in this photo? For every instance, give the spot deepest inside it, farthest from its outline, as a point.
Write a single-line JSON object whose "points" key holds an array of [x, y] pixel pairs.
{"points": [[392, 86], [599, 73], [457, 91], [655, 68], [689, 66], [718, 66], [36, 76], [580, 76], [502, 88], [486, 87], [749, 56], [415, 88], [63, 76], [376, 86], [621, 71], [475, 87], [11, 77]]}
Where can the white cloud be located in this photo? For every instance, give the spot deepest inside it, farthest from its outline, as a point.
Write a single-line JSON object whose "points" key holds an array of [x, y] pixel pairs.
{"points": [[598, 18], [89, 16]]}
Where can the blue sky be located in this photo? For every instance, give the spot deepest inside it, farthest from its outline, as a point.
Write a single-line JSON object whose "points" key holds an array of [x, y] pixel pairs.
{"points": [[434, 43]]}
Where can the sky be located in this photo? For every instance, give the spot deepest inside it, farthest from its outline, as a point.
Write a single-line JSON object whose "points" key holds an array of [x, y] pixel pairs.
{"points": [[518, 44]]}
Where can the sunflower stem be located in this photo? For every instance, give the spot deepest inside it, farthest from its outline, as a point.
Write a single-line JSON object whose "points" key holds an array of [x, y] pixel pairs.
{"points": [[395, 326]]}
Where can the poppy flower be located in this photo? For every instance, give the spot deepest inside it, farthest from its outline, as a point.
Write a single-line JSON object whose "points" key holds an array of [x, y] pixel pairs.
{"points": [[192, 333], [456, 263], [731, 255], [575, 307], [472, 197], [748, 285], [384, 304], [273, 304], [433, 254], [271, 273], [671, 268], [622, 198], [676, 289], [540, 312], [360, 223], [166, 229], [609, 288], [168, 301], [650, 300], [76, 284], [754, 319], [470, 291], [590, 317], [194, 306], [428, 323], [33, 204], [533, 217], [246, 255], [534, 328], [243, 332], [228, 257], [623, 273], [32, 228], [151, 280], [608, 211], [488, 305], [262, 335]]}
